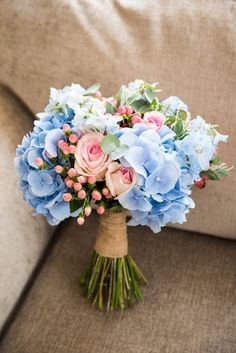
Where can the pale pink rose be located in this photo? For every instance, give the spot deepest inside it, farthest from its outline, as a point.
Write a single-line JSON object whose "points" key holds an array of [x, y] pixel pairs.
{"points": [[90, 160], [154, 120], [119, 179]]}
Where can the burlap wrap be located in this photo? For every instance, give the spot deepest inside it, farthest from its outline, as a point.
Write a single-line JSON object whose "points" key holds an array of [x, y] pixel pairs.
{"points": [[112, 235]]}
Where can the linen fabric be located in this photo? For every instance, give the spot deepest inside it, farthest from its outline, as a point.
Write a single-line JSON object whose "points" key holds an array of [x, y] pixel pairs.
{"points": [[189, 303], [23, 238]]}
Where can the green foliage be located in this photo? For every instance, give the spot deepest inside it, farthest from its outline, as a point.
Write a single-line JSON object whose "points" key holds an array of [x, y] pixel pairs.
{"points": [[122, 95], [111, 145], [75, 205], [210, 174], [110, 108], [149, 95], [141, 106]]}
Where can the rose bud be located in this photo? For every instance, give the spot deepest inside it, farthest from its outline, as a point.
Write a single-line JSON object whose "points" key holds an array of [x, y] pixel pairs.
{"points": [[119, 179]]}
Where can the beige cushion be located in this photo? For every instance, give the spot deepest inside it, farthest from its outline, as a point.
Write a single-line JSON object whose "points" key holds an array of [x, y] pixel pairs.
{"points": [[189, 46], [189, 303], [22, 237]]}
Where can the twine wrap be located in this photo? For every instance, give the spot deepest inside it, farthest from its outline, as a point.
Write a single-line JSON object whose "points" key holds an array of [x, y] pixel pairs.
{"points": [[112, 235]]}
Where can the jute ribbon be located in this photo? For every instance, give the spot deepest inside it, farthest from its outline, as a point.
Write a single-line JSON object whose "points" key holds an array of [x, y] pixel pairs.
{"points": [[112, 235]]}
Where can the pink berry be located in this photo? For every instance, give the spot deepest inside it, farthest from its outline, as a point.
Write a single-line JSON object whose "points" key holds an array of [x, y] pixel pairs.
{"points": [[82, 194], [136, 119], [38, 161], [105, 191], [72, 172], [122, 110], [69, 183], [67, 197], [61, 144], [80, 221], [100, 210], [96, 195], [98, 94], [92, 179], [77, 186], [66, 127], [87, 211], [71, 149], [73, 138], [129, 110], [59, 169], [82, 179], [65, 149]]}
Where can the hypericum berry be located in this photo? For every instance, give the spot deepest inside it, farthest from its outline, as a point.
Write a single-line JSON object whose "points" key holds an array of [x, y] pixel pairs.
{"points": [[98, 94], [69, 183], [122, 110], [96, 195], [82, 194], [61, 144], [100, 210], [65, 148], [80, 221], [67, 197], [71, 149], [129, 110], [136, 119], [200, 184], [66, 127], [92, 179], [82, 179], [38, 161], [77, 186], [73, 138], [72, 172], [59, 169], [87, 211], [105, 191]]}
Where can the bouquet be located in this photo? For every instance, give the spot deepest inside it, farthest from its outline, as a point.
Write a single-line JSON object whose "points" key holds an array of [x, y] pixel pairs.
{"points": [[130, 154]]}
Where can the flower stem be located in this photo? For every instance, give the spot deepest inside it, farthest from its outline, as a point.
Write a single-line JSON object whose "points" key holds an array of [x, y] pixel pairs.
{"points": [[112, 282]]}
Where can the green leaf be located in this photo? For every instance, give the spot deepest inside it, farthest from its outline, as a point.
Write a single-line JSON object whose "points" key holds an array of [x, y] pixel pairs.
{"points": [[119, 152], [182, 114], [170, 120], [216, 160], [179, 127], [92, 89], [140, 106], [122, 95], [134, 97], [210, 174], [223, 171], [149, 95], [75, 205], [110, 108], [110, 143]]}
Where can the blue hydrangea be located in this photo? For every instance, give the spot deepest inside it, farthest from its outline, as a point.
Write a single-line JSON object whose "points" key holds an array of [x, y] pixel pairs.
{"points": [[162, 195], [43, 189], [173, 104]]}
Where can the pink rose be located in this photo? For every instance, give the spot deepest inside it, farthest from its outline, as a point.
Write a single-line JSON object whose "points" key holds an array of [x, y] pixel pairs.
{"points": [[154, 120], [90, 160], [119, 179]]}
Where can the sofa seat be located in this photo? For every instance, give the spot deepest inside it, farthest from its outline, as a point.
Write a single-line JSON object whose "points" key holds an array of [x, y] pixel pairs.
{"points": [[189, 303]]}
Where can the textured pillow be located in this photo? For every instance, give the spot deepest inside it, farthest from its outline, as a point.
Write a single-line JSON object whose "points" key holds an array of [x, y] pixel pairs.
{"points": [[188, 46], [22, 237]]}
